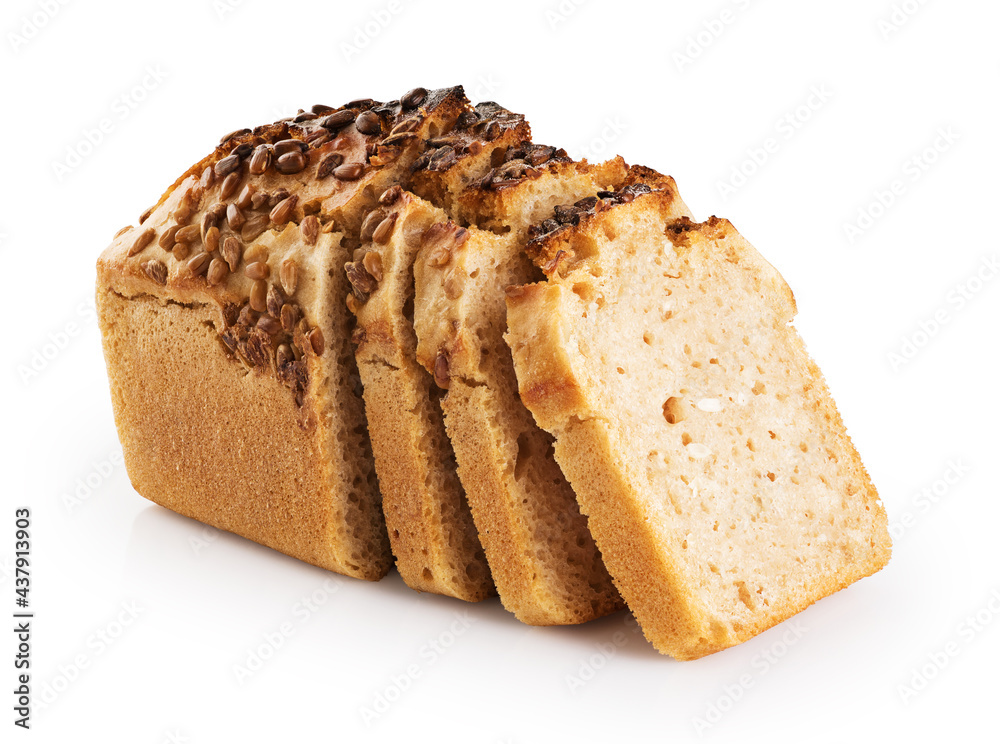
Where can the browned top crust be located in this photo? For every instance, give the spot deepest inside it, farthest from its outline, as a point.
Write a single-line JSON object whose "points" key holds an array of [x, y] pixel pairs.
{"points": [[548, 241], [241, 226], [487, 126]]}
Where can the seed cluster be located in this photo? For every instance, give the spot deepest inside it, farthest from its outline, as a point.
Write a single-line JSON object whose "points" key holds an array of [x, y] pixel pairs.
{"points": [[520, 162], [473, 130], [566, 216], [229, 207], [364, 272]]}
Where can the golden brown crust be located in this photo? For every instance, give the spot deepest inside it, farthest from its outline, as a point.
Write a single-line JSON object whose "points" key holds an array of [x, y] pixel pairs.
{"points": [[189, 436], [252, 235]]}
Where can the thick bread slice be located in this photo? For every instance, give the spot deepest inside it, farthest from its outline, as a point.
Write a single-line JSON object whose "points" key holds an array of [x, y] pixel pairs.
{"points": [[227, 342], [701, 440], [547, 569], [430, 525]]}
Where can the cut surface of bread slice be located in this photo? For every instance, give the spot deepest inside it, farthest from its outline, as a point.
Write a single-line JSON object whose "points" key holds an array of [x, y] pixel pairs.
{"points": [[700, 438], [547, 569], [227, 341], [427, 515]]}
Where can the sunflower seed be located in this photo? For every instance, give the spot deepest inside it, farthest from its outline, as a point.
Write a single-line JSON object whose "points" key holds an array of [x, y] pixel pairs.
{"points": [[122, 232], [413, 98], [398, 139], [361, 281], [283, 211], [304, 116], [208, 221], [291, 162], [255, 227], [316, 341], [289, 276], [373, 265], [406, 125], [181, 251], [198, 265], [441, 376], [245, 199], [349, 171], [269, 325], [230, 184], [310, 229], [217, 271], [368, 123], [275, 300], [385, 155], [227, 165], [327, 164], [235, 217], [384, 230], [390, 195], [284, 355], [258, 348], [258, 296], [320, 109], [286, 146], [338, 120], [218, 211], [232, 251], [440, 239], [141, 241], [156, 270], [257, 270], [234, 133], [212, 239], [259, 199], [261, 159], [145, 215], [289, 317], [188, 234], [168, 238], [207, 178], [369, 224], [248, 316]]}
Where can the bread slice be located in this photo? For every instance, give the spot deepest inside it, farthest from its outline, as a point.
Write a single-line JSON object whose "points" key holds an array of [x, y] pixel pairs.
{"points": [[427, 515], [226, 337], [701, 440], [547, 569]]}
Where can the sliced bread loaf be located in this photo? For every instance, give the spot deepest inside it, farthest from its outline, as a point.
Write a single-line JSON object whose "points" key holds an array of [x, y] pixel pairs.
{"points": [[698, 435], [547, 569], [427, 515], [227, 341]]}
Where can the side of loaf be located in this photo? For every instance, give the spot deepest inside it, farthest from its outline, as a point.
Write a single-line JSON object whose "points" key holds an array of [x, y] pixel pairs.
{"points": [[227, 341], [698, 435]]}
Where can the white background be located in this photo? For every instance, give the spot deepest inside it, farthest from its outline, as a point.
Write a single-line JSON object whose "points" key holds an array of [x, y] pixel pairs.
{"points": [[697, 90]]}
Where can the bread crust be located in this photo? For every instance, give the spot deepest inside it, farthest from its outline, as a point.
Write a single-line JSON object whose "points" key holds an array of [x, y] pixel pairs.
{"points": [[265, 433]]}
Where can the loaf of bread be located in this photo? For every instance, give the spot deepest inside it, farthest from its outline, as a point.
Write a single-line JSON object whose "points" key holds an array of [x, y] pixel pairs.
{"points": [[228, 342], [699, 437], [544, 560], [305, 343]]}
